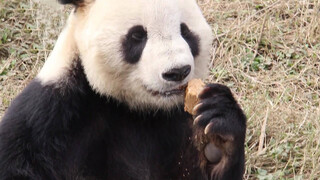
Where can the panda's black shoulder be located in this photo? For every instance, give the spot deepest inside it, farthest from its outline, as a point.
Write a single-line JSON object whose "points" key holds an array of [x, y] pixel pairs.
{"points": [[74, 2]]}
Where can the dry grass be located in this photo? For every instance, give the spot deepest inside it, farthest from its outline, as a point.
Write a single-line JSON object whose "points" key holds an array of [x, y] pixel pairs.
{"points": [[27, 34], [267, 51]]}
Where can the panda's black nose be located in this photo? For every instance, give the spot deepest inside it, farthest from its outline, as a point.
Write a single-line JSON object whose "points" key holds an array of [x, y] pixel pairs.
{"points": [[177, 74]]}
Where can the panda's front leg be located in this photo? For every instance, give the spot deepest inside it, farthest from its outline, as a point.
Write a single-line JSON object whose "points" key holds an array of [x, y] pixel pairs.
{"points": [[219, 129]]}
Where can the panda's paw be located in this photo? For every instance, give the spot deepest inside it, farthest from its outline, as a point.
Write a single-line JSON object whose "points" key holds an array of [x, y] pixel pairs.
{"points": [[220, 127]]}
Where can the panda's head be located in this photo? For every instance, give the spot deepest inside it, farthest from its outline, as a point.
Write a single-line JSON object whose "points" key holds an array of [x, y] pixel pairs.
{"points": [[141, 52]]}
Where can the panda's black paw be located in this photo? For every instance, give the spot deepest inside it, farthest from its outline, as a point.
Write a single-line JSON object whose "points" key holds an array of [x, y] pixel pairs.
{"points": [[220, 127]]}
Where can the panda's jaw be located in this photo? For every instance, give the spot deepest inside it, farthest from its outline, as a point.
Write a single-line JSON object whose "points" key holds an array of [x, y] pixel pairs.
{"points": [[173, 92]]}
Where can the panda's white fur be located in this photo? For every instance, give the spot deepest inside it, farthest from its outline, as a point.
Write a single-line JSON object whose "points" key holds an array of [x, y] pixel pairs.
{"points": [[95, 32]]}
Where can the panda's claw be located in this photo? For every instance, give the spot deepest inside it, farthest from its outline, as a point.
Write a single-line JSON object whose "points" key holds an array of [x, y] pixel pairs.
{"points": [[196, 120], [208, 128], [195, 108]]}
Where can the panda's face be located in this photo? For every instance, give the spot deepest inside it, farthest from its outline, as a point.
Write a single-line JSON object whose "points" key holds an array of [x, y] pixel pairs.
{"points": [[142, 52]]}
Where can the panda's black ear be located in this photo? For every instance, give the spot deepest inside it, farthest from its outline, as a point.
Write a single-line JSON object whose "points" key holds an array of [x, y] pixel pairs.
{"points": [[74, 2]]}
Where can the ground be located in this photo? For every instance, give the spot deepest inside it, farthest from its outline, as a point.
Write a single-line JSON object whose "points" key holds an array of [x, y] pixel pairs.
{"points": [[266, 51]]}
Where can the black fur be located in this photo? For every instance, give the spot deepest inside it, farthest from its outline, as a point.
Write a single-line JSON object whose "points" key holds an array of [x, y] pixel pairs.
{"points": [[225, 125], [191, 38], [74, 2], [65, 131], [134, 43]]}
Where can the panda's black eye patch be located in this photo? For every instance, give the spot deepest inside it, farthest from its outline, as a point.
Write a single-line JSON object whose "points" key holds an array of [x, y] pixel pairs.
{"points": [[191, 38], [185, 31], [133, 44]]}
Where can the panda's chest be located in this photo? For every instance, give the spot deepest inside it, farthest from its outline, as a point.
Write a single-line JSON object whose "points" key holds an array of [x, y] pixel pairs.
{"points": [[147, 147]]}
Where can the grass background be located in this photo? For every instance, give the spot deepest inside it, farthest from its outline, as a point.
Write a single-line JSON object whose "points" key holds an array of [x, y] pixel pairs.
{"points": [[266, 51]]}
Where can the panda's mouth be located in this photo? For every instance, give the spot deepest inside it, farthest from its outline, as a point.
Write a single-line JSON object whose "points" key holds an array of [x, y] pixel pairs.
{"points": [[178, 91]]}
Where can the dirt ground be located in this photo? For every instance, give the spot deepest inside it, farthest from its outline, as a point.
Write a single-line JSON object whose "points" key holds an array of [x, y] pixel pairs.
{"points": [[266, 51]]}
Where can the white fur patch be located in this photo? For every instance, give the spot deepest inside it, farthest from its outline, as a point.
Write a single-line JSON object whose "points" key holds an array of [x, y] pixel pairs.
{"points": [[96, 31], [62, 55]]}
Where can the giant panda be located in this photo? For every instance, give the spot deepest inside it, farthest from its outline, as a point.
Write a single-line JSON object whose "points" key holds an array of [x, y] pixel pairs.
{"points": [[108, 103]]}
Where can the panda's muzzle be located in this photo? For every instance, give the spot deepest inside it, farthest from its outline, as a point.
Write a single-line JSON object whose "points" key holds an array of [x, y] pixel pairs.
{"points": [[178, 91]]}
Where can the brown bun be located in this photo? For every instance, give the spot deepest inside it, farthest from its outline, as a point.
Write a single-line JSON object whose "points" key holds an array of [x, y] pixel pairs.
{"points": [[195, 86]]}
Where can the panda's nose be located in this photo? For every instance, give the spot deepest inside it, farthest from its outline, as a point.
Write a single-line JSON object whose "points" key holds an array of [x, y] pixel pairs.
{"points": [[177, 74]]}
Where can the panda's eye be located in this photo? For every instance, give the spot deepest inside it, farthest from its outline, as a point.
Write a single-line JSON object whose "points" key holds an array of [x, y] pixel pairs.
{"points": [[137, 34], [185, 31], [134, 43], [191, 38]]}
